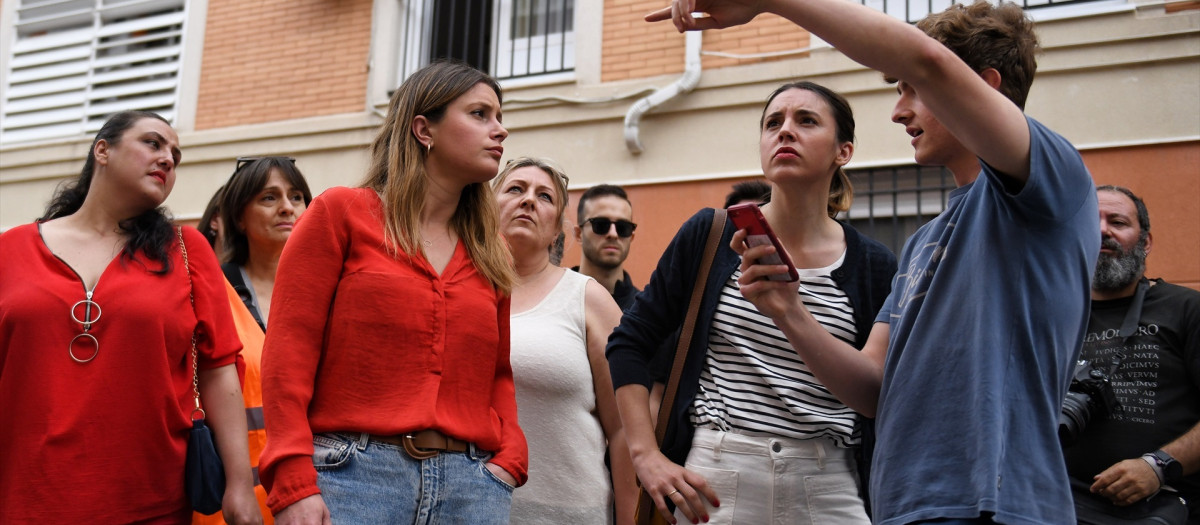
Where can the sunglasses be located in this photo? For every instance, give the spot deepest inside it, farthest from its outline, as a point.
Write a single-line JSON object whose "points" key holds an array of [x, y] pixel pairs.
{"points": [[242, 161], [601, 225]]}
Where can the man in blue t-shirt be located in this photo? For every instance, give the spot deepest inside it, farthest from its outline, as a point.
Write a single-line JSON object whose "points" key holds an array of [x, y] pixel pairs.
{"points": [[969, 360]]}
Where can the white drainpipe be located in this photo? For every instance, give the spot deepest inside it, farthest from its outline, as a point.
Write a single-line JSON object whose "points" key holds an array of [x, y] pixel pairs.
{"points": [[684, 84]]}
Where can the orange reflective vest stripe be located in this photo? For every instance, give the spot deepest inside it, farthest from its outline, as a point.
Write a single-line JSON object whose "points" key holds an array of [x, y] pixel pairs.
{"points": [[252, 343]]}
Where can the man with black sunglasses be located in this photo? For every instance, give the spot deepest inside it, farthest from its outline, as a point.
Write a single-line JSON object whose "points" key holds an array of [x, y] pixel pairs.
{"points": [[605, 232]]}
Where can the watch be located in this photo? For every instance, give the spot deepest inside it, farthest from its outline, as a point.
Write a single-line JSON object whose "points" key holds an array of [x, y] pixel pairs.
{"points": [[1172, 471]]}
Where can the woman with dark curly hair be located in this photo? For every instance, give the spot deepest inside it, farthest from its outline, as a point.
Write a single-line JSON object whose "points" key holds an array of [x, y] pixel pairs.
{"points": [[99, 307]]}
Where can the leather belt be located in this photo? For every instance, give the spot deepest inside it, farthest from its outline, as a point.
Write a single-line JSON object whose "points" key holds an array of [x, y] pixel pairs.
{"points": [[424, 444]]}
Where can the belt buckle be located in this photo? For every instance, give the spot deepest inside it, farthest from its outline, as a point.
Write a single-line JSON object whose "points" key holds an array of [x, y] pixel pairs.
{"points": [[414, 452]]}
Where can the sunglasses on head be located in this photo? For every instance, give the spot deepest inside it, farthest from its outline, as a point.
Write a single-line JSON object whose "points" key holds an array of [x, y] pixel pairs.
{"points": [[601, 225]]}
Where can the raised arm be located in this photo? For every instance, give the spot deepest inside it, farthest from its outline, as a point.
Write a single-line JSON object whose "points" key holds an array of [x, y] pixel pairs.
{"points": [[964, 101]]}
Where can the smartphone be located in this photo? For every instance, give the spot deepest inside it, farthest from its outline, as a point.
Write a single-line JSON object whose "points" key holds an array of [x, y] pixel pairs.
{"points": [[748, 217]]}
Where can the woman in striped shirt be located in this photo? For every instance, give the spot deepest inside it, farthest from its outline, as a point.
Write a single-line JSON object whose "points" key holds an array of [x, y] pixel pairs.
{"points": [[760, 437]]}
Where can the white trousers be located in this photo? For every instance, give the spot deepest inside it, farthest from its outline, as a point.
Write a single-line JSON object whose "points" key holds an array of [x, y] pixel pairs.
{"points": [[775, 480]]}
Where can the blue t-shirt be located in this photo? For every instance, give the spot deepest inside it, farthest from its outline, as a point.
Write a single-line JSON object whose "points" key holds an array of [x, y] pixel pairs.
{"points": [[986, 316]]}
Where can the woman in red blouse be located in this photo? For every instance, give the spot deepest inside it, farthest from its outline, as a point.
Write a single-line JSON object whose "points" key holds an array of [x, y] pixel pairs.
{"points": [[95, 347], [386, 384]]}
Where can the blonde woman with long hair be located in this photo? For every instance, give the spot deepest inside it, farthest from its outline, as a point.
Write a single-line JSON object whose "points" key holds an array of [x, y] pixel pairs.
{"points": [[386, 382]]}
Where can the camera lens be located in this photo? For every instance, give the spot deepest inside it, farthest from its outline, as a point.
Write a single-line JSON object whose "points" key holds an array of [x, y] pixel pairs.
{"points": [[1076, 411]]}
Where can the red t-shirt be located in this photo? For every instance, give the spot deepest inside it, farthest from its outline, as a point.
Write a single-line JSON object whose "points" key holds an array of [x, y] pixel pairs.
{"points": [[102, 441], [362, 340]]}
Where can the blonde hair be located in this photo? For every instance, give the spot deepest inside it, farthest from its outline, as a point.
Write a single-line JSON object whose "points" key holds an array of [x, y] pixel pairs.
{"points": [[556, 175], [397, 171]]}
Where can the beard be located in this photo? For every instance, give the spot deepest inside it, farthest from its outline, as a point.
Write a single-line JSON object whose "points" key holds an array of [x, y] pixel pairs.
{"points": [[1122, 268], [595, 254], [605, 263]]}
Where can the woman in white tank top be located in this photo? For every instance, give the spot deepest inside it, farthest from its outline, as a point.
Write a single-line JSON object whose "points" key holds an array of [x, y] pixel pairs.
{"points": [[559, 327]]}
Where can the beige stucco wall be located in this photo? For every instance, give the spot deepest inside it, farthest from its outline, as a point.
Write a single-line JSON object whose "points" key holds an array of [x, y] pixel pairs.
{"points": [[1107, 80]]}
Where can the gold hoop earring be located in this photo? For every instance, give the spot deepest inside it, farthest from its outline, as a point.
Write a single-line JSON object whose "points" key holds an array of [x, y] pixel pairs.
{"points": [[429, 147]]}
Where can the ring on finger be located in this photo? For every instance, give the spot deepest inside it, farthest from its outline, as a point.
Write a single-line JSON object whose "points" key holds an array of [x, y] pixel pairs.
{"points": [[672, 493]]}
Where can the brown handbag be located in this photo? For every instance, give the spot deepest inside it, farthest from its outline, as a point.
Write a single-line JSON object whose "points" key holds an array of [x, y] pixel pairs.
{"points": [[646, 510]]}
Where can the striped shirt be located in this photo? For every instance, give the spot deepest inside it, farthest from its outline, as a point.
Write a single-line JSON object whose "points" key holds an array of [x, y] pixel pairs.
{"points": [[753, 382]]}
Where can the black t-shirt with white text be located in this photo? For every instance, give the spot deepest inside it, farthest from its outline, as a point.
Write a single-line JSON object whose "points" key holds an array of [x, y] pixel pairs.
{"points": [[1157, 384]]}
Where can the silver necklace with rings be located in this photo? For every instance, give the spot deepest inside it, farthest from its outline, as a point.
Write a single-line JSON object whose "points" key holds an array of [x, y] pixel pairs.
{"points": [[88, 320]]}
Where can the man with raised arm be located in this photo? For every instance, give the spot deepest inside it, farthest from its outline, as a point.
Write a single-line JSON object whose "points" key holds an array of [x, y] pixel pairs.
{"points": [[970, 358]]}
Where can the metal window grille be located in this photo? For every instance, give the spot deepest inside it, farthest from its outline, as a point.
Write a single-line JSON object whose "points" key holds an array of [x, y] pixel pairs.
{"points": [[76, 62], [891, 203], [508, 38], [913, 10]]}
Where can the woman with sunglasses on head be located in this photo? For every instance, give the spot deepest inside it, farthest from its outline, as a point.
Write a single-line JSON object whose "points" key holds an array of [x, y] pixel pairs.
{"points": [[560, 323], [100, 307], [385, 372], [260, 203], [760, 438], [259, 208]]}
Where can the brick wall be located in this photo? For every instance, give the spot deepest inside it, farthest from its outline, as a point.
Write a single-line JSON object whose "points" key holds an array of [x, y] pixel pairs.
{"points": [[270, 60], [634, 48]]}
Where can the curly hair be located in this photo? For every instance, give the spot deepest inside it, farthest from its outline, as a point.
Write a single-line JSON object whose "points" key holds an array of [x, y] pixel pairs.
{"points": [[985, 36]]}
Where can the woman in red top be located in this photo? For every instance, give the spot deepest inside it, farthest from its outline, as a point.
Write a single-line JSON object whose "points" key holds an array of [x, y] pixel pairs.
{"points": [[386, 384], [95, 347]]}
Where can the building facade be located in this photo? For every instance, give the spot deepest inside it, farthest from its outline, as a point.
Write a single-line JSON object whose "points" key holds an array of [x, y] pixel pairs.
{"points": [[587, 83]]}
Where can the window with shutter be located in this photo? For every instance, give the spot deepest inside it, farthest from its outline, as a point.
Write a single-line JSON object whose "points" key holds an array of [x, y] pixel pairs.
{"points": [[890, 203], [75, 62]]}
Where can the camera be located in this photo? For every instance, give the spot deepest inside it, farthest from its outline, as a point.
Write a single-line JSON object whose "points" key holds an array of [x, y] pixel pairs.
{"points": [[1090, 396]]}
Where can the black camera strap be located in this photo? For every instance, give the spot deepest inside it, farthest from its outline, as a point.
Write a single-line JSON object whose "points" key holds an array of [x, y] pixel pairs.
{"points": [[1134, 314]]}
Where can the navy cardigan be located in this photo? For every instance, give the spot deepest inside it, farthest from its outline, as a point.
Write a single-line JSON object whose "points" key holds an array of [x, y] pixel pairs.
{"points": [[658, 311]]}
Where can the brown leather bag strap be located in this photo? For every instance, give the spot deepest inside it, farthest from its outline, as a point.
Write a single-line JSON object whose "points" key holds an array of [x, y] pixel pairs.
{"points": [[689, 325]]}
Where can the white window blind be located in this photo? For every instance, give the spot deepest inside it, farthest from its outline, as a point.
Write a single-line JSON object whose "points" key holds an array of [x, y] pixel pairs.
{"points": [[75, 62]]}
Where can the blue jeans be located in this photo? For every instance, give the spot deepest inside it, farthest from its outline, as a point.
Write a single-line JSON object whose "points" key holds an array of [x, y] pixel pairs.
{"points": [[366, 481]]}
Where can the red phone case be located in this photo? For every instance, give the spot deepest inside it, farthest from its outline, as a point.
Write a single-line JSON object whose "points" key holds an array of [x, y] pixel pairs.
{"points": [[748, 217]]}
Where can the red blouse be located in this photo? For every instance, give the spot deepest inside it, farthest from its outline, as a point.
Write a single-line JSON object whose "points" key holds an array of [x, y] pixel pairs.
{"points": [[365, 341], [102, 441]]}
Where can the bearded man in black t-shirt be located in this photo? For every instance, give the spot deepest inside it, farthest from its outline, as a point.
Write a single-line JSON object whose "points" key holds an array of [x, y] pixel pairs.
{"points": [[1154, 440]]}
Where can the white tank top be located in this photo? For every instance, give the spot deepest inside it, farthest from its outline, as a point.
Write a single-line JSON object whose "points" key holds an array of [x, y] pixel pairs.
{"points": [[556, 404]]}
